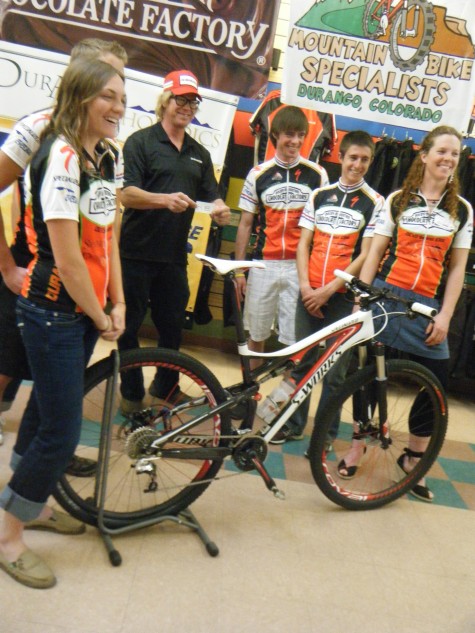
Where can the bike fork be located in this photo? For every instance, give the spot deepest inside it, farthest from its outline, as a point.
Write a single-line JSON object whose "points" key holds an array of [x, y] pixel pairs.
{"points": [[382, 392], [404, 31], [372, 398]]}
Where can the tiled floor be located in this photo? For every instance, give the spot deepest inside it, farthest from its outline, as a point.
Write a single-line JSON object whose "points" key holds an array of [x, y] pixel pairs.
{"points": [[301, 564]]}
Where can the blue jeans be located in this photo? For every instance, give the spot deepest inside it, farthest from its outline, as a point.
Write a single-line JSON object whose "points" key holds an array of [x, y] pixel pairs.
{"points": [[58, 347], [305, 324], [165, 287]]}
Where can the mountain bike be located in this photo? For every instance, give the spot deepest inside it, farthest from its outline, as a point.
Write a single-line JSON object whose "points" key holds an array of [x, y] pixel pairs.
{"points": [[159, 460], [412, 25]]}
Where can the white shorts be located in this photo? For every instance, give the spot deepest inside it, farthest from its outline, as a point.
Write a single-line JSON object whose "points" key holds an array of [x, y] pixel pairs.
{"points": [[271, 301]]}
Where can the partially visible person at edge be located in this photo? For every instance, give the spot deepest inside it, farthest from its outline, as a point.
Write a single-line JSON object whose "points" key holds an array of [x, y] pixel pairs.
{"points": [[272, 199], [336, 231], [166, 173], [419, 251], [61, 309], [15, 155]]}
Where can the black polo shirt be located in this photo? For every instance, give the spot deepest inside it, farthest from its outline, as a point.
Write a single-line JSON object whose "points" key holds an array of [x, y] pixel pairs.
{"points": [[153, 163]]}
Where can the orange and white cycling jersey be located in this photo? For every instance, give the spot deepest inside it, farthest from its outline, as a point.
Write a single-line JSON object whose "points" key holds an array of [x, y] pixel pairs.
{"points": [[340, 217], [57, 188], [276, 193], [20, 145], [421, 241]]}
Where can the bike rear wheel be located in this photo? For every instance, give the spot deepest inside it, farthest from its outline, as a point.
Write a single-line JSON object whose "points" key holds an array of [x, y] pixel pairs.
{"points": [[169, 485], [373, 14], [378, 479]]}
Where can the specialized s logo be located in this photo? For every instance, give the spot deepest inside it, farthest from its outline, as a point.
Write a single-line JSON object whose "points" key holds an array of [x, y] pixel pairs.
{"points": [[68, 154], [354, 201], [298, 173]]}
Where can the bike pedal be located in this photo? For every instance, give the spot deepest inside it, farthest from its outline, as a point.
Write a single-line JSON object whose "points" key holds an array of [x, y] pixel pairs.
{"points": [[279, 494]]}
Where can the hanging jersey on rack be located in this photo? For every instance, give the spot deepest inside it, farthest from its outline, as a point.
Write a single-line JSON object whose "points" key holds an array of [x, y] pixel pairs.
{"points": [[320, 139], [390, 165]]}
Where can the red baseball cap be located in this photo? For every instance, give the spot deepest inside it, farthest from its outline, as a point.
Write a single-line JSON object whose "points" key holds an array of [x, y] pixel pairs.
{"points": [[181, 82]]}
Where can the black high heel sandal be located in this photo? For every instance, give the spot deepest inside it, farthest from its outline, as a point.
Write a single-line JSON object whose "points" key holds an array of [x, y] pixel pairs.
{"points": [[419, 490], [348, 472]]}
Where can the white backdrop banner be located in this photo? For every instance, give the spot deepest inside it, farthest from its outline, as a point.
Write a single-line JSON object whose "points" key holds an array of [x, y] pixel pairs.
{"points": [[403, 62], [227, 44], [29, 78]]}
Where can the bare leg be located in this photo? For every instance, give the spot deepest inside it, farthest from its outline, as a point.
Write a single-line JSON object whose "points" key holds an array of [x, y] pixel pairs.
{"points": [[17, 560], [417, 444], [348, 466], [255, 346], [11, 538]]}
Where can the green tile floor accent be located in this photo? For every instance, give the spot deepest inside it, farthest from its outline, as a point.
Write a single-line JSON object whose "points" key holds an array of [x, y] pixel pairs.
{"points": [[446, 494], [458, 470]]}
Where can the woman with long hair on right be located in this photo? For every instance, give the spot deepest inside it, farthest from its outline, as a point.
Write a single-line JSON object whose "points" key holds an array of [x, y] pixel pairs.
{"points": [[419, 251]]}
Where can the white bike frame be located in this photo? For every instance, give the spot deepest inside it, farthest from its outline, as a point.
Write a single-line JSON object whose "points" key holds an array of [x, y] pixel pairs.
{"points": [[347, 332]]}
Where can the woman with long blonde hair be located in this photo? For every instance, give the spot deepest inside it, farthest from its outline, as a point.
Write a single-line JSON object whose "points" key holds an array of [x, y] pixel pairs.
{"points": [[70, 211]]}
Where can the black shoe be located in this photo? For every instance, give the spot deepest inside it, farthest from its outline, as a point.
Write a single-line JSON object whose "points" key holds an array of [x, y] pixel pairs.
{"points": [[81, 467], [328, 447], [285, 435], [420, 491], [175, 397], [127, 407]]}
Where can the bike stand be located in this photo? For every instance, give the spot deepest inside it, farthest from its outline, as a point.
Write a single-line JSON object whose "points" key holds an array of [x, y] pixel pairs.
{"points": [[185, 518]]}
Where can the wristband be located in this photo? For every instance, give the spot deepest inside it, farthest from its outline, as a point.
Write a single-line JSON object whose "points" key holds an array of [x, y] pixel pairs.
{"points": [[239, 275]]}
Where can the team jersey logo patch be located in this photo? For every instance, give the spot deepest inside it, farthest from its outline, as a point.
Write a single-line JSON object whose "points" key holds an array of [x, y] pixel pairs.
{"points": [[286, 195], [102, 203], [337, 219], [429, 221]]}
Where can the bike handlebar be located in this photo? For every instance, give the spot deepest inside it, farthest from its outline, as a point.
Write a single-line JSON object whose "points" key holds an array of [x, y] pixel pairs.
{"points": [[372, 294]]}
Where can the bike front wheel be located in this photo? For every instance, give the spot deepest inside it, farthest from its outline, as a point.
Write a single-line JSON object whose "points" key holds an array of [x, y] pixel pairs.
{"points": [[413, 394], [133, 483], [412, 34]]}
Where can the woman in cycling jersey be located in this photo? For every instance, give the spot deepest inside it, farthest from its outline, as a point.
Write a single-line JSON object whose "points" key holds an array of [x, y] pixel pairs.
{"points": [[419, 250], [70, 211]]}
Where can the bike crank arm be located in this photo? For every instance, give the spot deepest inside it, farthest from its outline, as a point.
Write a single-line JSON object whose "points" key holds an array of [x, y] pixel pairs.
{"points": [[269, 482]]}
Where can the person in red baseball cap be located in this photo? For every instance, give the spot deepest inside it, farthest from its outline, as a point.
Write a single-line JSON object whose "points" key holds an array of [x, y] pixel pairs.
{"points": [[166, 172], [181, 82]]}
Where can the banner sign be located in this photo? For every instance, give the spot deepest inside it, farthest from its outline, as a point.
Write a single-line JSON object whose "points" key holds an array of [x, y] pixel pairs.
{"points": [[197, 242], [408, 63], [29, 78], [227, 44]]}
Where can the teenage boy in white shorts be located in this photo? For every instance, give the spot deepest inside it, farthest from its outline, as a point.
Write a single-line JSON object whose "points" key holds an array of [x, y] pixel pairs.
{"points": [[272, 200]]}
